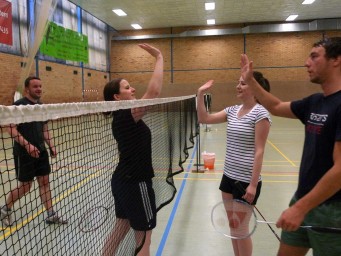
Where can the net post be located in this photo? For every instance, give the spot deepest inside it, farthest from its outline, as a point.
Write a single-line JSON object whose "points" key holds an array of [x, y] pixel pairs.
{"points": [[208, 103], [198, 155]]}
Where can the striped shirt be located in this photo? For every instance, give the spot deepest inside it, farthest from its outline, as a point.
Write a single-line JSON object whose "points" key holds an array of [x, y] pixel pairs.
{"points": [[240, 141]]}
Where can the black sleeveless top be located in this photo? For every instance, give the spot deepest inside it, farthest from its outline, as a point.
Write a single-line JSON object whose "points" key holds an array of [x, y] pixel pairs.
{"points": [[134, 145]]}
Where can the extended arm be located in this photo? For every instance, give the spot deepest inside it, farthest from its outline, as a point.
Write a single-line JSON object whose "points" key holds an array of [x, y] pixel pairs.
{"points": [[203, 116], [261, 134], [49, 141], [155, 83], [274, 105]]}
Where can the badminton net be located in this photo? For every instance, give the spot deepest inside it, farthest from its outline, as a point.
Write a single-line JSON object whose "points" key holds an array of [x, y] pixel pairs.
{"points": [[80, 179]]}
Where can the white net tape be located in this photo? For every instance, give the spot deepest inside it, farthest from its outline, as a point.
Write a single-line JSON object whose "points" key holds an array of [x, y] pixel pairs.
{"points": [[30, 113]]}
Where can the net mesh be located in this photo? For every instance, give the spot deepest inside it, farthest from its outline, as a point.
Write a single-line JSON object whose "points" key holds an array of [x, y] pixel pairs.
{"points": [[80, 180]]}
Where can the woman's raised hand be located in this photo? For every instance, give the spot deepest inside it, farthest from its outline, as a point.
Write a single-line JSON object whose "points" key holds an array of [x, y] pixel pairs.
{"points": [[206, 86], [151, 50], [246, 68]]}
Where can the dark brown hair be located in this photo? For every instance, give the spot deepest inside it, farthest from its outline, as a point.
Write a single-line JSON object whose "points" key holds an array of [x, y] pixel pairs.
{"points": [[262, 80], [111, 88], [331, 45], [28, 80]]}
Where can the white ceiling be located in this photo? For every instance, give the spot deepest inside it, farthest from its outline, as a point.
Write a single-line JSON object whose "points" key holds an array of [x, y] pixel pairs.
{"points": [[177, 13]]}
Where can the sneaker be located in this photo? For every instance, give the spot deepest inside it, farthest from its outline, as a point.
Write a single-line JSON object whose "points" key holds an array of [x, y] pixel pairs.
{"points": [[5, 216], [55, 219]]}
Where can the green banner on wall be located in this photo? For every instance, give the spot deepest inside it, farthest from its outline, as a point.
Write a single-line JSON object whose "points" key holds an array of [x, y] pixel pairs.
{"points": [[65, 44]]}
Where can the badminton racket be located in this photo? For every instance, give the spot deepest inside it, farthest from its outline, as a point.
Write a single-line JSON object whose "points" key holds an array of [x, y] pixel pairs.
{"points": [[236, 219], [93, 219], [241, 189]]}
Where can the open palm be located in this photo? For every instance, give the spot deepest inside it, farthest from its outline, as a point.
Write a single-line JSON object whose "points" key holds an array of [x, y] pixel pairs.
{"points": [[246, 67], [206, 86]]}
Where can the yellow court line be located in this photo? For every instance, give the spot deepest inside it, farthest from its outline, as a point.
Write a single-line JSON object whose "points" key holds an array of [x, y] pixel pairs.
{"points": [[282, 154], [264, 161], [279, 175], [218, 179], [263, 174], [11, 230]]}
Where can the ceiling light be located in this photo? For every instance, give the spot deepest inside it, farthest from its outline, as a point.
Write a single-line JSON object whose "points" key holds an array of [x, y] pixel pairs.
{"points": [[308, 1], [136, 26], [211, 22], [291, 17], [209, 6], [119, 12]]}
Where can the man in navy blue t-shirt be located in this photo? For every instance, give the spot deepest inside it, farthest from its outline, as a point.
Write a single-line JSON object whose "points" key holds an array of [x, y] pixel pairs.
{"points": [[317, 200]]}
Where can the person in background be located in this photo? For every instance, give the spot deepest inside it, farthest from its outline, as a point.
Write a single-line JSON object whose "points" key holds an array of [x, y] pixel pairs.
{"points": [[131, 182], [248, 126], [317, 200], [31, 158]]}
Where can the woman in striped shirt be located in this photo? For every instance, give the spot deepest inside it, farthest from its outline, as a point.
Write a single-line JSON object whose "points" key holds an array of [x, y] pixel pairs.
{"points": [[248, 126]]}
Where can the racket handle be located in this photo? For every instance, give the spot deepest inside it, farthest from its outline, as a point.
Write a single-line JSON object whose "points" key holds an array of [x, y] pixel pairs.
{"points": [[240, 187]]}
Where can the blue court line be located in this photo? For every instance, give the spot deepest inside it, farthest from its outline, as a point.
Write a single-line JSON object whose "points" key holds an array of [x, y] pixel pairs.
{"points": [[175, 207]]}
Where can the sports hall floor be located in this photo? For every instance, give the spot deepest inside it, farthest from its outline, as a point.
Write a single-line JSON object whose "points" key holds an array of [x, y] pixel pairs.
{"points": [[184, 227]]}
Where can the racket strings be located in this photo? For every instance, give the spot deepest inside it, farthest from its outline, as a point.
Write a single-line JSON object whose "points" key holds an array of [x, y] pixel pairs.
{"points": [[237, 220], [234, 219], [93, 219]]}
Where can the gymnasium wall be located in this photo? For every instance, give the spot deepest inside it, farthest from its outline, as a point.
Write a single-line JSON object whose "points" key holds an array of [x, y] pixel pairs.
{"points": [[63, 83], [10, 73], [71, 84], [189, 62]]}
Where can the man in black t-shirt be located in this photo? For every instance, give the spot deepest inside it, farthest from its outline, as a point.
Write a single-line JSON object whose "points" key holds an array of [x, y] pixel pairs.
{"points": [[317, 200], [31, 158]]}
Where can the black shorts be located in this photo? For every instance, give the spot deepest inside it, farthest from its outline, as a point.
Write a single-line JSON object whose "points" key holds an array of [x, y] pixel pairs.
{"points": [[135, 201], [229, 186], [28, 167]]}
